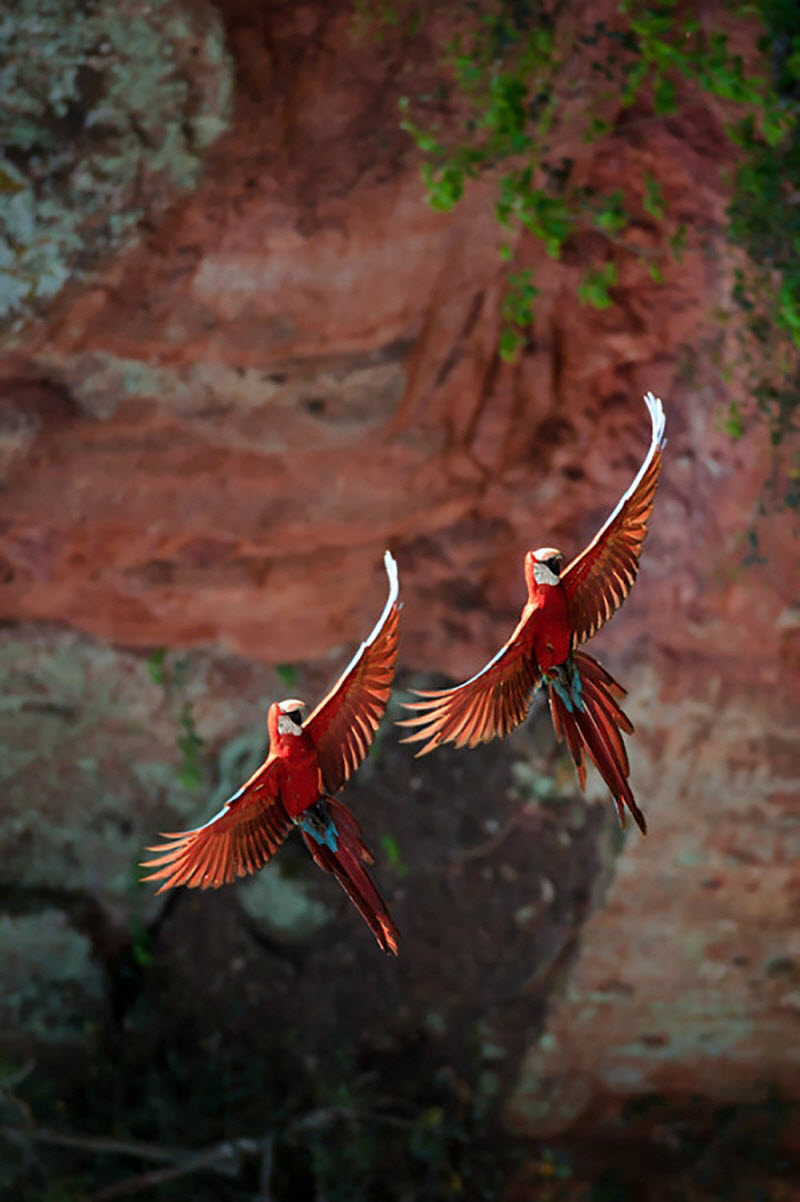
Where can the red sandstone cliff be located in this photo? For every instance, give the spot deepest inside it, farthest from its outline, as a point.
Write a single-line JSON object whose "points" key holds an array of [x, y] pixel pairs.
{"points": [[212, 441]]}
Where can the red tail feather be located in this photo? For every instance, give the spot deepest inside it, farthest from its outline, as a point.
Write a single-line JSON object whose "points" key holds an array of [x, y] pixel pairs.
{"points": [[606, 719], [346, 864], [597, 731], [566, 729]]}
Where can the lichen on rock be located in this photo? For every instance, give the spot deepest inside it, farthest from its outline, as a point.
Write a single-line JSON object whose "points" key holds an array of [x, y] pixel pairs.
{"points": [[51, 985], [102, 118], [283, 904]]}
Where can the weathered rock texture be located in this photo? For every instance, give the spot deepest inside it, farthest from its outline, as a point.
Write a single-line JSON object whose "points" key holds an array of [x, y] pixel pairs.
{"points": [[101, 120], [213, 443]]}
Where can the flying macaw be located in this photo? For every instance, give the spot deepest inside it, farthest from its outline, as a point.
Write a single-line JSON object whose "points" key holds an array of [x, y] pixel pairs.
{"points": [[309, 759], [563, 610]]}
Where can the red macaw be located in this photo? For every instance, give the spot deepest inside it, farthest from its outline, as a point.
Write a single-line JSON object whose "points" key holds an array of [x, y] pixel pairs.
{"points": [[563, 610], [309, 759]]}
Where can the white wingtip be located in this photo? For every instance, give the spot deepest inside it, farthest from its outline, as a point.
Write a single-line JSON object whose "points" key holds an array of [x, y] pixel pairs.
{"points": [[657, 417], [394, 588], [391, 571]]}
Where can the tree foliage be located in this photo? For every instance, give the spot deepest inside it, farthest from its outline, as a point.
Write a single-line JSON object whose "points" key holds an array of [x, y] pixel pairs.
{"points": [[517, 78]]}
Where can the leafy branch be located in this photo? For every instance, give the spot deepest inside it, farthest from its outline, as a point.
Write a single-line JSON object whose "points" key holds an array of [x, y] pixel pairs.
{"points": [[513, 78]]}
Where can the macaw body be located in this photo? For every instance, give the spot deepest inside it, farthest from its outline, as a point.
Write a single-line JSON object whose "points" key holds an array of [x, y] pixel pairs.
{"points": [[562, 611], [309, 760], [545, 620], [297, 772]]}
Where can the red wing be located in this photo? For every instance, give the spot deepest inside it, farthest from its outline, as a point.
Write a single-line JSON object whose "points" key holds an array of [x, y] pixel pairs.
{"points": [[344, 723], [490, 704], [238, 840], [600, 578]]}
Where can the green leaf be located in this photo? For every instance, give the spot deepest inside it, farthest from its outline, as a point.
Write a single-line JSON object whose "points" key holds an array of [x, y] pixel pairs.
{"points": [[597, 128], [593, 288], [155, 665], [287, 674], [664, 95], [391, 849], [653, 199], [611, 216], [141, 947], [733, 423], [510, 342], [677, 242]]}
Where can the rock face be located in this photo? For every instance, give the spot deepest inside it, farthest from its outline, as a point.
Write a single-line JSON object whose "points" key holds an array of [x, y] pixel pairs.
{"points": [[101, 120], [687, 980], [212, 442]]}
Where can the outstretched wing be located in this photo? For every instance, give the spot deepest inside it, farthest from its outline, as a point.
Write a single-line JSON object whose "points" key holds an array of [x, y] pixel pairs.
{"points": [[489, 704], [600, 578], [238, 840], [343, 725]]}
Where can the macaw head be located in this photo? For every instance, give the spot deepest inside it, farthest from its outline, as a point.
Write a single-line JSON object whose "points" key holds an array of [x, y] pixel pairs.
{"points": [[286, 717], [543, 566]]}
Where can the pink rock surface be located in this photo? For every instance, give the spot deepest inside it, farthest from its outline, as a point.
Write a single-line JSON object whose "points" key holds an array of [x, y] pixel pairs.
{"points": [[214, 442]]}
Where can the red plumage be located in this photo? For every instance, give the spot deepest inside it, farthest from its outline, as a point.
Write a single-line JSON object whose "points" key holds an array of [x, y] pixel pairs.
{"points": [[563, 610], [346, 864], [309, 759]]}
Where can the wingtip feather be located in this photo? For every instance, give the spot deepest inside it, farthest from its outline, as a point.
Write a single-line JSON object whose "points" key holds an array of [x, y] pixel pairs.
{"points": [[391, 571], [657, 417]]}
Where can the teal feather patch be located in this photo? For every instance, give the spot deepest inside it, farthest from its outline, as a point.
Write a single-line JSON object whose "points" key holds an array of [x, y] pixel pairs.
{"points": [[317, 822]]}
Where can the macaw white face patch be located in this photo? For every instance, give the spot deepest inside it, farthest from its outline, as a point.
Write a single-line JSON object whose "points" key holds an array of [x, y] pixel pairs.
{"points": [[543, 575], [290, 716], [547, 565]]}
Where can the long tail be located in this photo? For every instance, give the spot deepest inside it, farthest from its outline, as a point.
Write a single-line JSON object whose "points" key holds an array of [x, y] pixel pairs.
{"points": [[589, 719], [346, 864]]}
